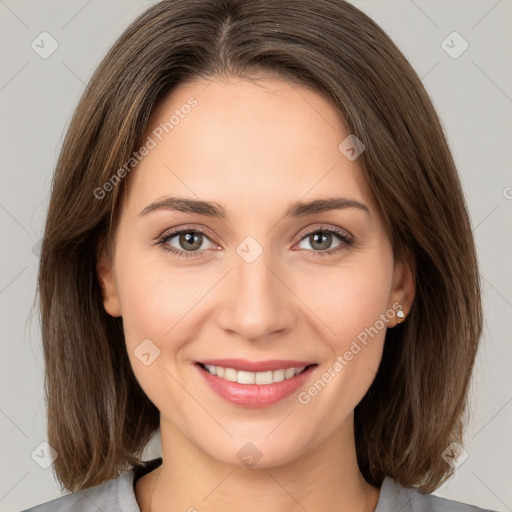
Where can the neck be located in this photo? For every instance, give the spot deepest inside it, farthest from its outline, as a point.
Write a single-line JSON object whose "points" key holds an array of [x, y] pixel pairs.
{"points": [[324, 479]]}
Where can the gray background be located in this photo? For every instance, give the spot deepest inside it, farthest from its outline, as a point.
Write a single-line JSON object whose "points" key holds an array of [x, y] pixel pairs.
{"points": [[473, 94]]}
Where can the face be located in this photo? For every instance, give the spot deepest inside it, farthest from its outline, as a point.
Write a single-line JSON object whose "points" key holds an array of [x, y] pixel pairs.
{"points": [[268, 272]]}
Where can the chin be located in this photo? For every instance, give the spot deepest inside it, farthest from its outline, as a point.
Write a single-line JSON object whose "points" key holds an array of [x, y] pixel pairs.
{"points": [[256, 451]]}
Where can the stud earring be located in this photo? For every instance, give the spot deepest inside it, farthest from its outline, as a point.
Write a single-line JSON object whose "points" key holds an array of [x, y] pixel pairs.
{"points": [[400, 316]]}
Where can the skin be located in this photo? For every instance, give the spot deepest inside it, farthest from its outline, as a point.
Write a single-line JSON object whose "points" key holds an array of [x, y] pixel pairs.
{"points": [[253, 147]]}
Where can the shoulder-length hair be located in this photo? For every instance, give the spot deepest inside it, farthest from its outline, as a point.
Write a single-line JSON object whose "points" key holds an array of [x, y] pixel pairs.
{"points": [[99, 419]]}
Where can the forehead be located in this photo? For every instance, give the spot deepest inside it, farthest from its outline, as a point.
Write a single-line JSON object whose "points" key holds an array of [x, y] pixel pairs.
{"points": [[245, 143]]}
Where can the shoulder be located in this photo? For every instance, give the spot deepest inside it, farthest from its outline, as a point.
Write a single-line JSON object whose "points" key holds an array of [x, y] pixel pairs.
{"points": [[115, 496], [394, 497]]}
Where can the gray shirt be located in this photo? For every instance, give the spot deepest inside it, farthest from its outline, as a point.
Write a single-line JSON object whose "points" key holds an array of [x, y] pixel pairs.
{"points": [[118, 495]]}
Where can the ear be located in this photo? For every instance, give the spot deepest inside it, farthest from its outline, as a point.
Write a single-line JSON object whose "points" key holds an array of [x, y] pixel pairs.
{"points": [[104, 270], [403, 288]]}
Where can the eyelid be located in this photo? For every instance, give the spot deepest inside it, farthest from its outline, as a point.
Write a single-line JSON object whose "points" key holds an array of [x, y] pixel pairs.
{"points": [[170, 233], [343, 233]]}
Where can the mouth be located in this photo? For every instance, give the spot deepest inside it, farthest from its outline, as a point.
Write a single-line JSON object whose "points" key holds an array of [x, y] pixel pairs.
{"points": [[249, 377], [234, 382]]}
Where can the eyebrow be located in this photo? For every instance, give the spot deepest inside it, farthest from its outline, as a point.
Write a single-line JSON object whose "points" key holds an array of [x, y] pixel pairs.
{"points": [[212, 209]]}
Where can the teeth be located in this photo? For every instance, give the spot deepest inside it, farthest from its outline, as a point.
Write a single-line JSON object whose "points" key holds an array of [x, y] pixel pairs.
{"points": [[243, 377], [289, 373], [211, 369]]}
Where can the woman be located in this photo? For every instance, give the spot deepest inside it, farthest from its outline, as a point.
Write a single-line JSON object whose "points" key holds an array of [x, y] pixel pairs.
{"points": [[258, 244]]}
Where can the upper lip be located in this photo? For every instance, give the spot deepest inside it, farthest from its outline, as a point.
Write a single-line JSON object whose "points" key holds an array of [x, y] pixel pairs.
{"points": [[256, 366]]}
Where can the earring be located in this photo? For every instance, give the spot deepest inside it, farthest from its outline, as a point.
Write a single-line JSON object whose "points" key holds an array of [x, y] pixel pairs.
{"points": [[400, 316]]}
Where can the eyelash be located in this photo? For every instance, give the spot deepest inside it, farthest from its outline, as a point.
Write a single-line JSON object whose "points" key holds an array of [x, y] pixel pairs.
{"points": [[346, 241]]}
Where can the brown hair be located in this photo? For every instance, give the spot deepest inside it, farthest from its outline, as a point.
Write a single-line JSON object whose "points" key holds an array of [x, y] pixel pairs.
{"points": [[99, 419]]}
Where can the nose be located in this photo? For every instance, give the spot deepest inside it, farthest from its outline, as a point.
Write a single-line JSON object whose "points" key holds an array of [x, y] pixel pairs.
{"points": [[258, 302]]}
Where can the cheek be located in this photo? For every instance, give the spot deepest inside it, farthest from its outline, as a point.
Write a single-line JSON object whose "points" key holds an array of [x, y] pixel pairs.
{"points": [[353, 303], [152, 305], [351, 297], [157, 314], [162, 305], [156, 301]]}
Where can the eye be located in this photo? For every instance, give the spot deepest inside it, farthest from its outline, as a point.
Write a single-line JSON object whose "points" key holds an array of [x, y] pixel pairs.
{"points": [[321, 239], [185, 242], [189, 242]]}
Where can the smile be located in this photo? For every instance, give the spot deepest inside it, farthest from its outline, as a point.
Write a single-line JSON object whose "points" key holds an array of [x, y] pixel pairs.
{"points": [[255, 389], [244, 377]]}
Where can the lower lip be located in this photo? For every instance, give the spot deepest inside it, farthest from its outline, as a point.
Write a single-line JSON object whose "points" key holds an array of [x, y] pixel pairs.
{"points": [[255, 395]]}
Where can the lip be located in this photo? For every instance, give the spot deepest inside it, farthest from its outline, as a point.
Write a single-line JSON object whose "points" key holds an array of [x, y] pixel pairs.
{"points": [[257, 366], [255, 395]]}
